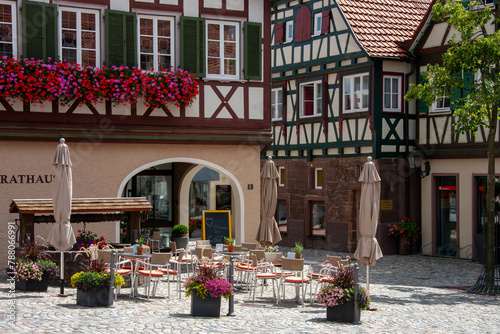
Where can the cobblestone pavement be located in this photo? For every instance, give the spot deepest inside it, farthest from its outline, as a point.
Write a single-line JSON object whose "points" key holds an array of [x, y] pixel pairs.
{"points": [[411, 294]]}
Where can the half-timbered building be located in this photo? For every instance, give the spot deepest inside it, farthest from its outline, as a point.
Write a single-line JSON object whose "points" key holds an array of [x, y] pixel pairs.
{"points": [[339, 75], [138, 149], [454, 174]]}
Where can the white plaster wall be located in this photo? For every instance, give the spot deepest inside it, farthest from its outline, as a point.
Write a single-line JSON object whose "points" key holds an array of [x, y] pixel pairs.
{"points": [[101, 170], [465, 168]]}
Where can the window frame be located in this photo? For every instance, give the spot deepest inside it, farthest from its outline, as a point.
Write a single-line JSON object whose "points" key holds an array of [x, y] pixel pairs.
{"points": [[399, 78], [275, 93], [350, 78], [155, 36], [289, 26], [237, 25], [14, 32], [282, 176], [317, 24], [322, 230], [317, 85], [316, 174], [79, 48], [443, 99]]}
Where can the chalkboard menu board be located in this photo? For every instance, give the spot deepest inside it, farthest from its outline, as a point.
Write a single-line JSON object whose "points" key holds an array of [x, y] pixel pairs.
{"points": [[216, 225]]}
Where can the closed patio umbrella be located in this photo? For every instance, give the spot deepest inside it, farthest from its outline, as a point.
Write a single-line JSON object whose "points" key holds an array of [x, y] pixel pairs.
{"points": [[268, 233], [368, 250], [61, 236]]}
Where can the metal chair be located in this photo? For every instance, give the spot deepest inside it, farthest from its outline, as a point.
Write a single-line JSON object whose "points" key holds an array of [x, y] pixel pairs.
{"points": [[154, 270], [300, 276], [265, 272], [154, 241], [124, 267]]}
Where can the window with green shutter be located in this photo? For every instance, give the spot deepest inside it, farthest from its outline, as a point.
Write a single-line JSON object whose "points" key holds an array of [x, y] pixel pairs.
{"points": [[39, 30], [121, 38], [193, 45], [253, 51]]}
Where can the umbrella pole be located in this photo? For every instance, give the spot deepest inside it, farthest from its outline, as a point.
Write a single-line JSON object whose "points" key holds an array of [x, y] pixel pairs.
{"points": [[368, 279], [61, 294]]}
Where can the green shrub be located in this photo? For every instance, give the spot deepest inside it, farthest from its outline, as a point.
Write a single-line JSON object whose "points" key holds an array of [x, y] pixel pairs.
{"points": [[179, 231]]}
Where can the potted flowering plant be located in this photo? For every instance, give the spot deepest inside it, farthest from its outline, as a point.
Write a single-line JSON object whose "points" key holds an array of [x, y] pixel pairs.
{"points": [[193, 226], [93, 284], [38, 80], [206, 287], [33, 269], [272, 254], [85, 239], [338, 296], [406, 229]]}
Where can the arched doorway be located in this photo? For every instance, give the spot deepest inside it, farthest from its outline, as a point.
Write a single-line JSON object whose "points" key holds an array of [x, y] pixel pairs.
{"points": [[167, 183]]}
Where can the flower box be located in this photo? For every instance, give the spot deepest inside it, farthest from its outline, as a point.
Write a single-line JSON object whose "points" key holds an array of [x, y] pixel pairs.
{"points": [[93, 298], [204, 307], [341, 313], [33, 284]]}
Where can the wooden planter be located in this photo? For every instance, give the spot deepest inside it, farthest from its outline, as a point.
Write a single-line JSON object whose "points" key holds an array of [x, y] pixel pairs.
{"points": [[207, 307], [93, 298]]}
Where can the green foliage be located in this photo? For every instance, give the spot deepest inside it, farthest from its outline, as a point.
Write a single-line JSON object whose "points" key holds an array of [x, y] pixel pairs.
{"points": [[298, 248], [140, 241], [471, 52], [476, 51], [179, 231], [93, 281], [228, 241]]}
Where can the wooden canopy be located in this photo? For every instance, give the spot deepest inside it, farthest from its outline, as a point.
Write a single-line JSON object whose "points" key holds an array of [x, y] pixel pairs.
{"points": [[89, 210], [81, 205]]}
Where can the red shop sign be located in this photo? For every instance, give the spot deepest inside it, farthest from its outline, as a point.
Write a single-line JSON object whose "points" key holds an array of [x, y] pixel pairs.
{"points": [[452, 188]]}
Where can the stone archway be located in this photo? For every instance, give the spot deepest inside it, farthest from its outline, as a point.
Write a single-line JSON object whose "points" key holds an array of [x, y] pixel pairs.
{"points": [[238, 211]]}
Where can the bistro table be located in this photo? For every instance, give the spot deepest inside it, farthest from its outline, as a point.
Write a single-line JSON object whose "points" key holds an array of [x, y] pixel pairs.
{"points": [[232, 256], [136, 257]]}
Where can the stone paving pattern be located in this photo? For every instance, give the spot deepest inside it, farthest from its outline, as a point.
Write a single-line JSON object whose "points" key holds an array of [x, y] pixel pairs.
{"points": [[411, 294]]}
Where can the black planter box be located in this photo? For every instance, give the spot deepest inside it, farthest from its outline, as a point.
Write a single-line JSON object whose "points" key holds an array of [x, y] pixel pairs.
{"points": [[208, 307], [33, 284], [93, 298], [341, 313]]}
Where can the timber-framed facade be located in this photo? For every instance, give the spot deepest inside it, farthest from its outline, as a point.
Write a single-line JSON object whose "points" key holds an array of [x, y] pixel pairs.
{"points": [[122, 149], [338, 79]]}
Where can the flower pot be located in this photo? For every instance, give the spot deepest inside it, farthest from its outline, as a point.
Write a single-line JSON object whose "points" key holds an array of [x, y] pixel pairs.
{"points": [[341, 313], [33, 284], [140, 250], [230, 248], [298, 256], [204, 307], [181, 242], [93, 298], [404, 245]]}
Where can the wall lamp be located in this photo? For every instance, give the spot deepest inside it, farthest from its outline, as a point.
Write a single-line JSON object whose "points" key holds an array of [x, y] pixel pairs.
{"points": [[415, 161]]}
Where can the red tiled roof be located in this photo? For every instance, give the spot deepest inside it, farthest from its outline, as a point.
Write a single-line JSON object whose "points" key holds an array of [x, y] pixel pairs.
{"points": [[380, 24]]}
